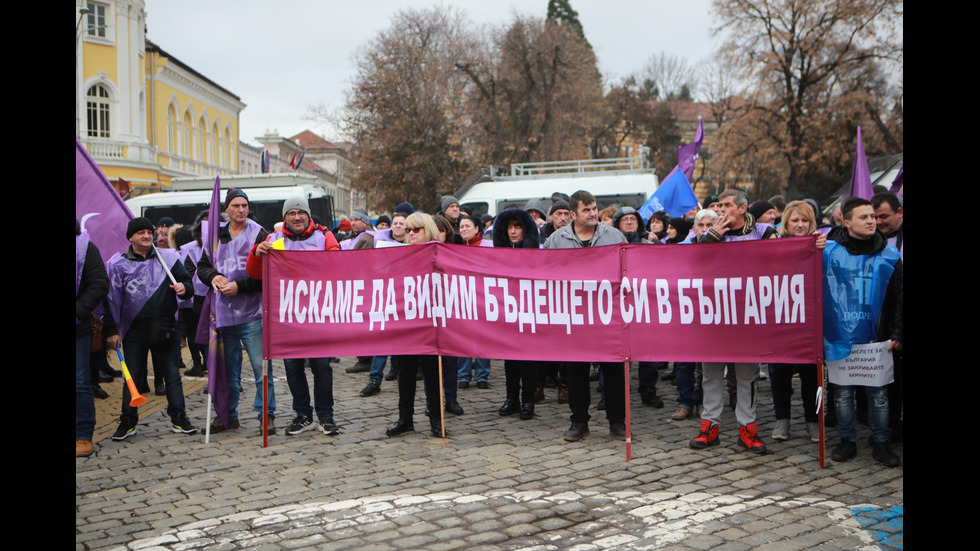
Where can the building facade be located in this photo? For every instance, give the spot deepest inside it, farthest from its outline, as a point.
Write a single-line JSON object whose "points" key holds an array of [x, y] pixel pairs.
{"points": [[145, 116]]}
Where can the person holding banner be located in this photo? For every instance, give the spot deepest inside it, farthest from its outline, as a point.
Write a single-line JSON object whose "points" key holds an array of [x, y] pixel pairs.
{"points": [[300, 233], [863, 303], [142, 318], [799, 220], [734, 224], [890, 218], [91, 287], [239, 305], [420, 229], [586, 231], [516, 229]]}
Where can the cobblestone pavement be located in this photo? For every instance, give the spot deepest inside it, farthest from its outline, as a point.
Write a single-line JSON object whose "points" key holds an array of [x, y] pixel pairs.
{"points": [[499, 483]]}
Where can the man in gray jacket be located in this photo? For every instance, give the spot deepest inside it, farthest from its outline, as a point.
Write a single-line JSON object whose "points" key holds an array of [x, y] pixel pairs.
{"points": [[586, 231]]}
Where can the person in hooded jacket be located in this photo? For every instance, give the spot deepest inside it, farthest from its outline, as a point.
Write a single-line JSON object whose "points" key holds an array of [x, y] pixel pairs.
{"points": [[516, 229]]}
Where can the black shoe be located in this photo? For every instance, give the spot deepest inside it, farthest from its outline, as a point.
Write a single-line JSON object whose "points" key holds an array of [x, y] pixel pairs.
{"points": [[618, 430], [98, 392], [652, 400], [392, 375], [400, 427], [550, 382], [109, 371], [435, 428], [299, 424], [454, 408], [126, 429], [463, 385], [197, 371], [328, 427], [102, 378], [844, 451], [160, 389], [576, 432], [182, 425], [359, 367], [371, 389], [510, 407], [482, 385], [882, 452], [527, 411], [602, 404]]}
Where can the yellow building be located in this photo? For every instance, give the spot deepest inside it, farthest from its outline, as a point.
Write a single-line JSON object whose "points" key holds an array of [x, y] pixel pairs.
{"points": [[145, 116]]}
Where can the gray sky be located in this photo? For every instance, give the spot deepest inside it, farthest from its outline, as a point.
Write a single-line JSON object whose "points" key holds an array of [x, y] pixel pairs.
{"points": [[281, 57]]}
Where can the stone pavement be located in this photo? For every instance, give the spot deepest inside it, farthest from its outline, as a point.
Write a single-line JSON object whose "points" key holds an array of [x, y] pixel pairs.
{"points": [[499, 483]]}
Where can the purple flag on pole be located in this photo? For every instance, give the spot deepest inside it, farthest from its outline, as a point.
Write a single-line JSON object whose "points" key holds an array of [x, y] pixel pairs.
{"points": [[217, 378], [98, 206], [687, 154], [861, 176], [898, 183]]}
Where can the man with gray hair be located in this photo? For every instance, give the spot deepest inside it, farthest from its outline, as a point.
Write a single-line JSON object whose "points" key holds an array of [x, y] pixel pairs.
{"points": [[734, 223]]}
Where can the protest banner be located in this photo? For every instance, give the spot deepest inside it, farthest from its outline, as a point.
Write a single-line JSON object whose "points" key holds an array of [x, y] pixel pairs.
{"points": [[733, 302]]}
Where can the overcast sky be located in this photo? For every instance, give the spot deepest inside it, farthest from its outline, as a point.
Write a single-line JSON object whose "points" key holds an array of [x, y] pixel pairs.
{"points": [[281, 57]]}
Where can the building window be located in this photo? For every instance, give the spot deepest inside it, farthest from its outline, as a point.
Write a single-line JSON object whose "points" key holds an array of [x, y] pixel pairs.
{"points": [[96, 19], [98, 111]]}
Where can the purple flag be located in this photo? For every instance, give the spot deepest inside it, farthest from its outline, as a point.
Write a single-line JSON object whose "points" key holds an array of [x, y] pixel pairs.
{"points": [[217, 377], [687, 155], [98, 207], [898, 183], [861, 176]]}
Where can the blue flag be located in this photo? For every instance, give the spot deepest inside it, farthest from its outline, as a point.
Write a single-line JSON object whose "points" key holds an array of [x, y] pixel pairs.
{"points": [[674, 196]]}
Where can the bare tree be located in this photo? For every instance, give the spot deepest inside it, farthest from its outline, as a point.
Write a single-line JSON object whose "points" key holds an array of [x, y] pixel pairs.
{"points": [[668, 77], [803, 57], [534, 93], [405, 109]]}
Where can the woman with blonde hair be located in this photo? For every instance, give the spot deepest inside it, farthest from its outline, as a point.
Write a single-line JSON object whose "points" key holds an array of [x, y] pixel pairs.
{"points": [[798, 220], [421, 229]]}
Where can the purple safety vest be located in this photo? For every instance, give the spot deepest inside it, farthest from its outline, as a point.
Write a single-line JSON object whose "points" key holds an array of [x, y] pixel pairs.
{"points": [[132, 283], [243, 307]]}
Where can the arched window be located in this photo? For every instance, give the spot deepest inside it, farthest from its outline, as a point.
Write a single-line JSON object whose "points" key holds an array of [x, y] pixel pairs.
{"points": [[202, 140], [187, 133], [98, 111], [171, 129], [215, 146]]}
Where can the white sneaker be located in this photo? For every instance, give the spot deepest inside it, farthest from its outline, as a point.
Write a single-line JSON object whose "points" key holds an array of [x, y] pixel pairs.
{"points": [[781, 432]]}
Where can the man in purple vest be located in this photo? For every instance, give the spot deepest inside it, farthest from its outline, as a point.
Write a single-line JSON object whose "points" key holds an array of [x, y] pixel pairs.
{"points": [[734, 223], [239, 305], [141, 316]]}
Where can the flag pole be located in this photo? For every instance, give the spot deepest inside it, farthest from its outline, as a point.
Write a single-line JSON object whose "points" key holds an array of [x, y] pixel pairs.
{"points": [[442, 405]]}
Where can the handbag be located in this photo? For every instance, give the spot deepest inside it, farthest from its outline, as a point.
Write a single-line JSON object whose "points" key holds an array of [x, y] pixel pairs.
{"points": [[96, 325]]}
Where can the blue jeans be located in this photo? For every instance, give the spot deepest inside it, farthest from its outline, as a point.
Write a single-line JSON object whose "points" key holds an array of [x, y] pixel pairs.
{"points": [[136, 347], [378, 369], [468, 373], [247, 337], [877, 412], [688, 391], [84, 401], [300, 388]]}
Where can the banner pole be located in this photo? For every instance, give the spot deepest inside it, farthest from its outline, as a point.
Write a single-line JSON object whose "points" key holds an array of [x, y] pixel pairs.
{"points": [[820, 422], [265, 406], [629, 430], [442, 405]]}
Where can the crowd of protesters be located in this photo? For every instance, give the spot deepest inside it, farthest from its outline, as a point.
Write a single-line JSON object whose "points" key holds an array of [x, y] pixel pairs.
{"points": [[139, 301]]}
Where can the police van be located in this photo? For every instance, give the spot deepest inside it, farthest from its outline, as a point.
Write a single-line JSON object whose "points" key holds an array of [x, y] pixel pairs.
{"points": [[266, 195], [621, 182]]}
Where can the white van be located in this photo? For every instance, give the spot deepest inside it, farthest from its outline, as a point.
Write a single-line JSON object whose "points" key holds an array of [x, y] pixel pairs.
{"points": [[266, 195], [622, 182]]}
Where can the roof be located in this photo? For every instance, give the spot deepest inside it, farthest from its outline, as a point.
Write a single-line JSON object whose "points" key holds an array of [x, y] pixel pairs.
{"points": [[309, 140], [155, 48]]}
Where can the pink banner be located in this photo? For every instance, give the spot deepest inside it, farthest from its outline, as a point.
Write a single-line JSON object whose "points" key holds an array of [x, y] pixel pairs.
{"points": [[734, 302]]}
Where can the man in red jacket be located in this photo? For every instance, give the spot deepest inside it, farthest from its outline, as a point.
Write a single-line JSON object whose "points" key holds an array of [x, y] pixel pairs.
{"points": [[299, 232]]}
